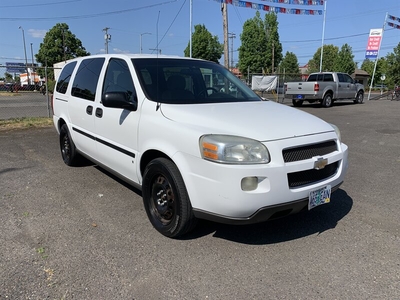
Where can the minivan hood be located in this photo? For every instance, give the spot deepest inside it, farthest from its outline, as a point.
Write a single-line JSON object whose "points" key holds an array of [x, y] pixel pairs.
{"points": [[262, 121]]}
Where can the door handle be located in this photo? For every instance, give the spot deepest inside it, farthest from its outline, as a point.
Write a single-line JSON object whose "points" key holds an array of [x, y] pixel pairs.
{"points": [[89, 110], [99, 112]]}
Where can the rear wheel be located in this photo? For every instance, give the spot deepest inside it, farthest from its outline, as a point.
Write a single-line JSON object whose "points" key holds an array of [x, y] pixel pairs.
{"points": [[67, 147], [166, 200], [297, 103], [327, 101]]}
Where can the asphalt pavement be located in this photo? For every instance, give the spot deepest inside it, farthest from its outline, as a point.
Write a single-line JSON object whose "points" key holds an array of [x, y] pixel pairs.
{"points": [[80, 233]]}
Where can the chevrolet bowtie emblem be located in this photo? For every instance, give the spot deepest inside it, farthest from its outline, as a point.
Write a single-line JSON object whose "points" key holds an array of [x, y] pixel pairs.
{"points": [[320, 163]]}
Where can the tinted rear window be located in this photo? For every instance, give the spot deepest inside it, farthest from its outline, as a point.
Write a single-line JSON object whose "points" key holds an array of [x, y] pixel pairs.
{"points": [[65, 77], [86, 78]]}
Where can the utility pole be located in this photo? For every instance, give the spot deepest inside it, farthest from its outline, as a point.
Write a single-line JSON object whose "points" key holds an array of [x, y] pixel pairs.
{"points": [[107, 38], [26, 60], [33, 67], [231, 36], [224, 10]]}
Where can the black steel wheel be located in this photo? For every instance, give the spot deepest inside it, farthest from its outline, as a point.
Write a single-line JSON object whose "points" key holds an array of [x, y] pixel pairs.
{"points": [[166, 200], [67, 147]]}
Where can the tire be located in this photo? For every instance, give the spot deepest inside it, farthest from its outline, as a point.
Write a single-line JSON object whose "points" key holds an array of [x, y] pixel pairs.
{"points": [[67, 147], [166, 200], [327, 101], [297, 103], [359, 98]]}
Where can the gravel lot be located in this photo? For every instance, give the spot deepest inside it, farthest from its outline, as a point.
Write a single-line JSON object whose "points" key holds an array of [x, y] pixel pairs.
{"points": [[79, 233]]}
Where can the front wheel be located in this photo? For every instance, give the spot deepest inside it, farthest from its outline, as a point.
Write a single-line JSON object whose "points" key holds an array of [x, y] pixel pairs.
{"points": [[166, 200], [297, 103], [359, 98]]}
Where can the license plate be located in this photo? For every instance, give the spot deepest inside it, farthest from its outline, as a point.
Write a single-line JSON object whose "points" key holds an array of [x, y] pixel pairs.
{"points": [[300, 96], [319, 197]]}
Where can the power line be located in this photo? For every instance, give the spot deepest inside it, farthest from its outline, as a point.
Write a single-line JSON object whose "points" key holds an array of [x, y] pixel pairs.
{"points": [[85, 16]]}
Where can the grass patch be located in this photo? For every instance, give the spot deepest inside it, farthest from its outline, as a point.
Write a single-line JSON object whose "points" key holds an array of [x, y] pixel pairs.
{"points": [[21, 123]]}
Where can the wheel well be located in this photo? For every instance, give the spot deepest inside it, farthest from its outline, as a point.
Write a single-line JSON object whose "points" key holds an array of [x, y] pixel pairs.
{"points": [[149, 156], [328, 93], [61, 122]]}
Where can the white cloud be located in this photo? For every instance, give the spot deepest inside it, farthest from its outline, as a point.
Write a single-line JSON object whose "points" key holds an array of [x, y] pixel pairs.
{"points": [[119, 51], [37, 33]]}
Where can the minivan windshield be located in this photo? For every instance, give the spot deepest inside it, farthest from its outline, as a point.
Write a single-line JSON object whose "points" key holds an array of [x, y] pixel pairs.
{"points": [[189, 81]]}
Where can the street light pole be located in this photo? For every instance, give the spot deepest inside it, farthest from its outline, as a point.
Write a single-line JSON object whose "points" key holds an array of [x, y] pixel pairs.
{"points": [[141, 40], [33, 67], [26, 60]]}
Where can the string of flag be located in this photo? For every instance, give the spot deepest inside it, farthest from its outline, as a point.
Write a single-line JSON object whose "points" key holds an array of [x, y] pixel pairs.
{"points": [[277, 9], [391, 24], [298, 2]]}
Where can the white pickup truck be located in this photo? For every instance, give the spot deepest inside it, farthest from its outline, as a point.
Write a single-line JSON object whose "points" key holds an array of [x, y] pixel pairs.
{"points": [[164, 125], [325, 87]]}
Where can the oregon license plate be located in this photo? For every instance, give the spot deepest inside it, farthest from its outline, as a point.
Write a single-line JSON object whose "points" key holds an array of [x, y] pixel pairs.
{"points": [[300, 96], [319, 197]]}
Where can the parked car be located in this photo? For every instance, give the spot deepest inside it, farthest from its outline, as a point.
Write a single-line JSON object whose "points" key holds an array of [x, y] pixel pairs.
{"points": [[325, 87], [159, 123]]}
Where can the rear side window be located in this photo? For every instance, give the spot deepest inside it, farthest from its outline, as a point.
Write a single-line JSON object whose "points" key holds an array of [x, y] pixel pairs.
{"points": [[328, 77], [65, 77], [86, 78]]}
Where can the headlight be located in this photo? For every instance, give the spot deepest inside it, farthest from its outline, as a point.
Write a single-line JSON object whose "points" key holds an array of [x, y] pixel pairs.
{"points": [[230, 149], [337, 132]]}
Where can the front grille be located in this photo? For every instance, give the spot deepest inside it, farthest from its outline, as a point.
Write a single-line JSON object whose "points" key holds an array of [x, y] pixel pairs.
{"points": [[298, 179], [309, 151]]}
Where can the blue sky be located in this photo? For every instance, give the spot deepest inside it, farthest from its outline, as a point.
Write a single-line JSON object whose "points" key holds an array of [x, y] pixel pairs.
{"points": [[168, 21]]}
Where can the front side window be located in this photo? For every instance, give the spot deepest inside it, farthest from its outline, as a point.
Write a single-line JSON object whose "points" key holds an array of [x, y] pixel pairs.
{"points": [[86, 78], [187, 81], [65, 77], [118, 79]]}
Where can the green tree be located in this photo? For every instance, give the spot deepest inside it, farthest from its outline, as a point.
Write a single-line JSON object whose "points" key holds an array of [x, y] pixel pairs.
{"points": [[344, 61], [290, 64], [8, 77], [328, 59], [393, 67], [381, 69], [59, 44], [253, 47], [273, 53], [204, 45]]}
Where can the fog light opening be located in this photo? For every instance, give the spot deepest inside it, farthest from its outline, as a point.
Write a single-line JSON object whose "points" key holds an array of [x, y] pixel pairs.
{"points": [[249, 184]]}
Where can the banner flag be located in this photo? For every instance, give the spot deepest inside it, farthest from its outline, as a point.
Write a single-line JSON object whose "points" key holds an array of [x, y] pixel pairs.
{"points": [[374, 43]]}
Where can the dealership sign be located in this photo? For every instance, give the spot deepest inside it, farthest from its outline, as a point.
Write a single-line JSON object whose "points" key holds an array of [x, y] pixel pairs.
{"points": [[374, 43], [14, 67]]}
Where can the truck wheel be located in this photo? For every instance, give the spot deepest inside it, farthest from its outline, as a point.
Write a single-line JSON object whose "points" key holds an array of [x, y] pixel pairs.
{"points": [[327, 101], [68, 150], [297, 103], [166, 200], [359, 98]]}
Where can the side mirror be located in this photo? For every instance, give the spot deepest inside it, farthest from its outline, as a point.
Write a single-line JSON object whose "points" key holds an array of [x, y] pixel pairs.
{"points": [[119, 100]]}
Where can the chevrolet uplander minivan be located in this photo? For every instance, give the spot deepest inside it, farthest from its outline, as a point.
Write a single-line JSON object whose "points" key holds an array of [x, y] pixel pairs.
{"points": [[195, 139]]}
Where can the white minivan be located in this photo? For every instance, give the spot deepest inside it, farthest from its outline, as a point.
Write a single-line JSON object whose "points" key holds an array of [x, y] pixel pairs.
{"points": [[196, 140]]}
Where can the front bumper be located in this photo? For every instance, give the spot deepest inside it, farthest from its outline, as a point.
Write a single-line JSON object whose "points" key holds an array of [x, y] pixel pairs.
{"points": [[215, 189]]}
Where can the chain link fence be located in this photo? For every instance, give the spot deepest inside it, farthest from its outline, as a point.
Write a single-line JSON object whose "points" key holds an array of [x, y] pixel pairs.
{"points": [[25, 96], [278, 93]]}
